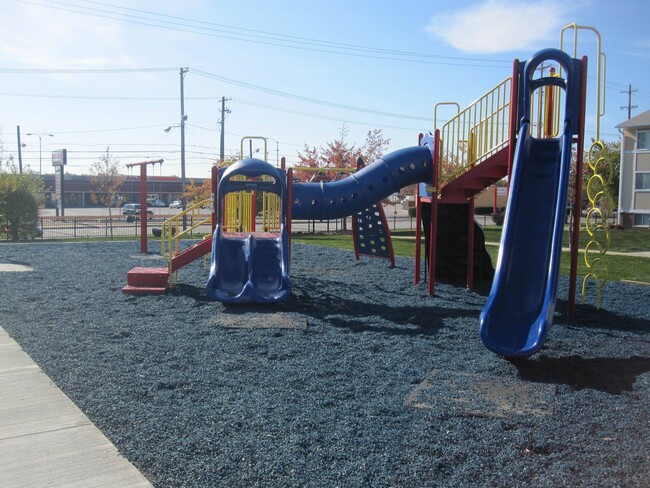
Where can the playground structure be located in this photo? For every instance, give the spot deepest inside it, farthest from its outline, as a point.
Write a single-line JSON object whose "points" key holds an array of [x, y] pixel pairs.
{"points": [[525, 129]]}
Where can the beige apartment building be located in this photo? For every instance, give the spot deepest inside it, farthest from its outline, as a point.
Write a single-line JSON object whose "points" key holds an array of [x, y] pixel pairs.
{"points": [[634, 189]]}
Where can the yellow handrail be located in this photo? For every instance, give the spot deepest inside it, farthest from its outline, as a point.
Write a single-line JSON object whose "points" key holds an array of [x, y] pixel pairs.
{"points": [[475, 133], [171, 233]]}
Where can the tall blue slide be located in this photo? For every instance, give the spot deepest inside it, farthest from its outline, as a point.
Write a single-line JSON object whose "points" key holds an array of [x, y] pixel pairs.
{"points": [[519, 310], [254, 267]]}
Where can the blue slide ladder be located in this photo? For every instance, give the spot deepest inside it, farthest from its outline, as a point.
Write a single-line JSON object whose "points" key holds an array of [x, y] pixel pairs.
{"points": [[519, 310]]}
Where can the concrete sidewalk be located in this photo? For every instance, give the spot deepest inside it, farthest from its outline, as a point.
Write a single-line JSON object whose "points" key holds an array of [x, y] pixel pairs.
{"points": [[45, 440]]}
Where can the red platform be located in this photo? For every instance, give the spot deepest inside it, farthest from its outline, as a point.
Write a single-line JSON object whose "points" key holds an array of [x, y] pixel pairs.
{"points": [[146, 281]]}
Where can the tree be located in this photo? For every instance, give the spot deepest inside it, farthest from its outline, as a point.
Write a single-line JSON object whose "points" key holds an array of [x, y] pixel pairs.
{"points": [[107, 178], [374, 146], [197, 193], [340, 154], [21, 194]]}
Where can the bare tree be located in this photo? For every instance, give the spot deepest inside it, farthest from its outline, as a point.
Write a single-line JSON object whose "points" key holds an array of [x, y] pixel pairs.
{"points": [[107, 178]]}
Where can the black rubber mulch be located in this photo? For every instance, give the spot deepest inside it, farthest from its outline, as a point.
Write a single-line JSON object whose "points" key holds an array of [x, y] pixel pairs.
{"points": [[358, 380]]}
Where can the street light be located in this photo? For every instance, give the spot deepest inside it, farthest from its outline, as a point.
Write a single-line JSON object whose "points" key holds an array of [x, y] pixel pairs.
{"points": [[167, 130], [182, 126], [277, 150], [40, 145]]}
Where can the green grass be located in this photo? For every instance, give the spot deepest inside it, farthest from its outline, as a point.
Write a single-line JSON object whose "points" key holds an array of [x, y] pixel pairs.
{"points": [[628, 240], [620, 267]]}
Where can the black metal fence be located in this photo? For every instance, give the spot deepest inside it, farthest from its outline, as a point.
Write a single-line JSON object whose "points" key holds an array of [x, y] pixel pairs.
{"points": [[53, 228], [50, 228]]}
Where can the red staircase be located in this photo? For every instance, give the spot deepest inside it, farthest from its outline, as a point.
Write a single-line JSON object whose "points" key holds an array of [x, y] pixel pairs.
{"points": [[481, 176], [147, 281]]}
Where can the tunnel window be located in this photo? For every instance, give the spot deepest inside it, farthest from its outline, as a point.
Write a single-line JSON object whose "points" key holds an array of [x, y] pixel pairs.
{"points": [[314, 201], [354, 196], [296, 201], [401, 169], [412, 166]]}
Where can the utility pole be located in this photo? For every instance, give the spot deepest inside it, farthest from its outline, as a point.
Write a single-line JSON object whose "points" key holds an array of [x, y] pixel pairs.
{"points": [[182, 73], [222, 121], [20, 151], [629, 105]]}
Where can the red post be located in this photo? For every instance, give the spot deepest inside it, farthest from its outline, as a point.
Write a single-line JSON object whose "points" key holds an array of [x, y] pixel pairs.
{"points": [[470, 243], [143, 200], [215, 185], [433, 238], [289, 205], [418, 231], [143, 209], [577, 196], [514, 102]]}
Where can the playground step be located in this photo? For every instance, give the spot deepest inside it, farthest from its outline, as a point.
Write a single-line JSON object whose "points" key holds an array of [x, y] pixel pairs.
{"points": [[148, 277], [144, 290]]}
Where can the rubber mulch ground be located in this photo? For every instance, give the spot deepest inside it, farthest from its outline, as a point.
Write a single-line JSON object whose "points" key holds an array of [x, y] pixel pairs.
{"points": [[358, 380]]}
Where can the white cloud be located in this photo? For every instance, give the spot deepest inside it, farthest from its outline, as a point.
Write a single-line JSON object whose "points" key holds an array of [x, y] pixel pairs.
{"points": [[36, 36], [493, 26]]}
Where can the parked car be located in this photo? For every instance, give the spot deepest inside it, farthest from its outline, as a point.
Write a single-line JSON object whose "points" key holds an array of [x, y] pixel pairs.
{"points": [[156, 203], [176, 204], [133, 209]]}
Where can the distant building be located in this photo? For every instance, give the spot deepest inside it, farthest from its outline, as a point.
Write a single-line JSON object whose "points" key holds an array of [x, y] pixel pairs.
{"points": [[634, 189], [78, 190]]}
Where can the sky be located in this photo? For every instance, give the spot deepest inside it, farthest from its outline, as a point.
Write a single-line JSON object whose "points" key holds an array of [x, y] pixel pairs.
{"points": [[101, 75]]}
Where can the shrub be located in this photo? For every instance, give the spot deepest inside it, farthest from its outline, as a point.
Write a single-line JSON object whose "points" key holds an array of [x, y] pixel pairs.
{"points": [[498, 217], [20, 197]]}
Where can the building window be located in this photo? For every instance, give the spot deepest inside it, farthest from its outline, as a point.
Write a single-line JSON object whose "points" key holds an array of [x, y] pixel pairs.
{"points": [[642, 181], [643, 140], [642, 220]]}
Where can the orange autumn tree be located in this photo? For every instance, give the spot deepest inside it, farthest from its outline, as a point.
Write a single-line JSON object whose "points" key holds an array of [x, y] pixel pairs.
{"points": [[194, 193], [340, 154]]}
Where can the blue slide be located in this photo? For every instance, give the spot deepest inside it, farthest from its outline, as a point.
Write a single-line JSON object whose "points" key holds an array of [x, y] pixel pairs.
{"points": [[250, 267], [519, 310]]}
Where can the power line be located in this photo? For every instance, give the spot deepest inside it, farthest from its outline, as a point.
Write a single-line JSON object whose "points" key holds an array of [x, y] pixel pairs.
{"points": [[103, 97], [301, 98], [78, 71], [278, 40]]}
